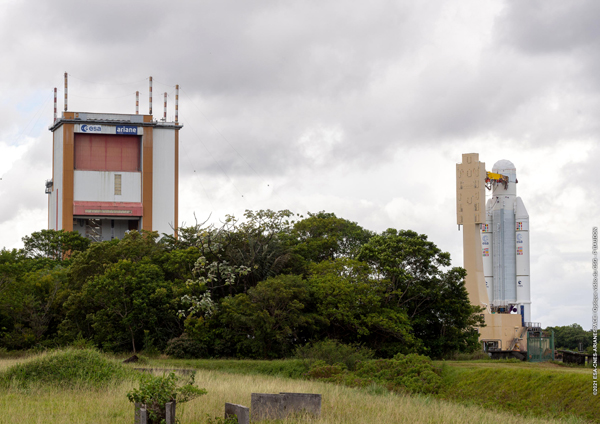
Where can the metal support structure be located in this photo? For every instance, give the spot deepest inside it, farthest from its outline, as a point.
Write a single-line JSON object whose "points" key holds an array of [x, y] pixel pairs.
{"points": [[93, 230], [177, 103], [150, 106], [66, 90], [55, 105], [165, 109]]}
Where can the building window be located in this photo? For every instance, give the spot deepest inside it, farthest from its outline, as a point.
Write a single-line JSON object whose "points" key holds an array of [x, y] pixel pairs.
{"points": [[117, 184]]}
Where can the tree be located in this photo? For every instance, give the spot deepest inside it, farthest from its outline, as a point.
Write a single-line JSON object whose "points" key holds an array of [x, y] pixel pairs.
{"points": [[258, 243], [54, 244], [237, 255], [31, 296], [128, 298], [435, 300], [134, 246], [269, 317], [352, 305], [323, 236], [570, 336], [138, 280]]}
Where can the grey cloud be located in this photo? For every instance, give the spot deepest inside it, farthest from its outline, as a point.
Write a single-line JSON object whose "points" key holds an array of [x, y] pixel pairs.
{"points": [[549, 26]]}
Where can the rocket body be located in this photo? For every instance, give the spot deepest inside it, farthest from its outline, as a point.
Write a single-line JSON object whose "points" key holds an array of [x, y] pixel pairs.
{"points": [[505, 246]]}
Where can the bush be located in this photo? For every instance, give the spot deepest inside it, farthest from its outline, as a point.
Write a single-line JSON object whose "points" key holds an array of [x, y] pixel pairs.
{"points": [[184, 347], [333, 352], [155, 392], [70, 368], [411, 373], [473, 356], [320, 369], [82, 343]]}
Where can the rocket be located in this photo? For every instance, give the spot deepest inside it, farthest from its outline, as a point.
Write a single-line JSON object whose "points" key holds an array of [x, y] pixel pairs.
{"points": [[505, 244]]}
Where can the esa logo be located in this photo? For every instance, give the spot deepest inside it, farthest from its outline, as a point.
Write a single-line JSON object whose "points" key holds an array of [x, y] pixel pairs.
{"points": [[520, 238], [485, 240], [91, 128]]}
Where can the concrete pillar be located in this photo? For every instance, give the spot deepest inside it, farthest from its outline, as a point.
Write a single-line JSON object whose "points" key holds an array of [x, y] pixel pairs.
{"points": [[136, 416], [241, 412], [170, 409], [143, 416]]}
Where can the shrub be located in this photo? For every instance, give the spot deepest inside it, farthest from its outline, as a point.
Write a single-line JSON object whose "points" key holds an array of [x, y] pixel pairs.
{"points": [[333, 352], [156, 391], [82, 343], [184, 347], [411, 373], [461, 356], [320, 370], [69, 368]]}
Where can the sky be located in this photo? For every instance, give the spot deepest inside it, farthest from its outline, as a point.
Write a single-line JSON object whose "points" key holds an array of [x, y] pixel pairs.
{"points": [[362, 109]]}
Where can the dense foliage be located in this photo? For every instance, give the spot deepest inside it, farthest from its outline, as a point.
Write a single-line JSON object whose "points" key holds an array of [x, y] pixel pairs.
{"points": [[260, 287], [572, 337], [403, 373]]}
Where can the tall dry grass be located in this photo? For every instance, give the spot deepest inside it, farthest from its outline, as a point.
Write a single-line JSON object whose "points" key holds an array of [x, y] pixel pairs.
{"points": [[340, 404]]}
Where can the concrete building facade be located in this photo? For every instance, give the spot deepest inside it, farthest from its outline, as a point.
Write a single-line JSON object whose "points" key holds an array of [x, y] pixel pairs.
{"points": [[112, 173]]}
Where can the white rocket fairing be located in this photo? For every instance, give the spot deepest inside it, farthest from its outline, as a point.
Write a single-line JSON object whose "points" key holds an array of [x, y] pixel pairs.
{"points": [[505, 245]]}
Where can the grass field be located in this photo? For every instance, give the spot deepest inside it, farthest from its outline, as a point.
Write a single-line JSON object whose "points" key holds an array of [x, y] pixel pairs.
{"points": [[234, 381], [525, 389], [517, 365], [340, 404]]}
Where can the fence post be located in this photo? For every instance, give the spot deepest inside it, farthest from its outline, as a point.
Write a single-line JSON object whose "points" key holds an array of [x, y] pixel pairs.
{"points": [[136, 416], [143, 415], [170, 412]]}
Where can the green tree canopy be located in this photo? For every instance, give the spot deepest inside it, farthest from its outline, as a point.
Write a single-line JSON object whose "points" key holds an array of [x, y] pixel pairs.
{"points": [[354, 307], [323, 236], [128, 298], [270, 317], [570, 336], [434, 298], [53, 244]]}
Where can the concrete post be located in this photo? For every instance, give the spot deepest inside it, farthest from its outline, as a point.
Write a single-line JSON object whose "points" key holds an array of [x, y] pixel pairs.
{"points": [[302, 402], [143, 416], [136, 416], [241, 412], [267, 406], [279, 406], [170, 409]]}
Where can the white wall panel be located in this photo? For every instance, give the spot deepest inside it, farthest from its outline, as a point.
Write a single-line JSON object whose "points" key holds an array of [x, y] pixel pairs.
{"points": [[163, 180], [58, 179], [99, 186]]}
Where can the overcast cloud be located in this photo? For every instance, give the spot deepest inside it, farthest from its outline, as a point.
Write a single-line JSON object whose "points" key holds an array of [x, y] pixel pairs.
{"points": [[357, 108]]}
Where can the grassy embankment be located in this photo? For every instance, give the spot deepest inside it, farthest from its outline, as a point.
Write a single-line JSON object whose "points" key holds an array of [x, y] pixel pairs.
{"points": [[97, 395], [539, 389], [527, 389]]}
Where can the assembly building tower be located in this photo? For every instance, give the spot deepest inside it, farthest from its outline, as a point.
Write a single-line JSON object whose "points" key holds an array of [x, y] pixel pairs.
{"points": [[112, 173]]}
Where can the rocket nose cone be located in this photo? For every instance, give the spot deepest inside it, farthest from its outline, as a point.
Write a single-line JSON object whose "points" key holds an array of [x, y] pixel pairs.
{"points": [[504, 165]]}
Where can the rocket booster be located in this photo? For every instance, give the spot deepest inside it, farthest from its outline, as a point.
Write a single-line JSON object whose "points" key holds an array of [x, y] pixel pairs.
{"points": [[505, 244]]}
